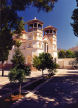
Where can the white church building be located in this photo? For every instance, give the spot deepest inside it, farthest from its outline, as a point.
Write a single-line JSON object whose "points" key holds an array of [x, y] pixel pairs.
{"points": [[36, 40]]}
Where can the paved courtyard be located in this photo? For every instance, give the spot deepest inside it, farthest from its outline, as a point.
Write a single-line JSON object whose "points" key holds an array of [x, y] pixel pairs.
{"points": [[59, 92], [4, 80]]}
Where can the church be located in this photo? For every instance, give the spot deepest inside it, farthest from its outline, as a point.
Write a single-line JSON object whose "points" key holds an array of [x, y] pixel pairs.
{"points": [[36, 40]]}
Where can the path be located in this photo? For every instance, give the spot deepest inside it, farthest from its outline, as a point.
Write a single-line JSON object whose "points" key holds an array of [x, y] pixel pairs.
{"points": [[60, 92], [4, 80]]}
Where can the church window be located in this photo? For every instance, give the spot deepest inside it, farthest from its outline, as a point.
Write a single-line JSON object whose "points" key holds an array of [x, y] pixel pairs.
{"points": [[54, 32], [30, 26], [47, 31], [39, 26], [35, 24], [50, 31]]}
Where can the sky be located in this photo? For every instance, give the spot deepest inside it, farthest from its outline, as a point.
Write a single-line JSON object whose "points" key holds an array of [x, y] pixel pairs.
{"points": [[59, 17]]}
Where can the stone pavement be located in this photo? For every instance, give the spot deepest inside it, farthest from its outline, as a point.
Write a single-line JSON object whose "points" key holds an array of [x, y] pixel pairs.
{"points": [[4, 80], [60, 92]]}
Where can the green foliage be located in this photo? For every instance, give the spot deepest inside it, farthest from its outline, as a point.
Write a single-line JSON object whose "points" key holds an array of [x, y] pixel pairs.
{"points": [[19, 70], [70, 54], [9, 22], [24, 67], [17, 75], [46, 5], [62, 54], [53, 68], [18, 58], [18, 62], [12, 75], [36, 62], [20, 26], [66, 54], [17, 44], [44, 61], [75, 20], [6, 43]]}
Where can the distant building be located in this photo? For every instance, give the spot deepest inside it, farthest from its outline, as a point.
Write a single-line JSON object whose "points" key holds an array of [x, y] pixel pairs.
{"points": [[36, 41]]}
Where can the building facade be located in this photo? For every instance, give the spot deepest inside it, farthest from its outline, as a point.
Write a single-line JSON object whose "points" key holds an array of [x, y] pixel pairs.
{"points": [[37, 40]]}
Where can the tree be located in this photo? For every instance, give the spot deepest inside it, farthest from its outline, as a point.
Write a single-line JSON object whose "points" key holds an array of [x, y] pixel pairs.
{"points": [[70, 54], [18, 74], [62, 54], [53, 68], [43, 61], [19, 70], [18, 58], [66, 54], [75, 20], [6, 43]]}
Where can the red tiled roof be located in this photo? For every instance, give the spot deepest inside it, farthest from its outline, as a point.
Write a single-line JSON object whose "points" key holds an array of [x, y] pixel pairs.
{"points": [[50, 27], [34, 20]]}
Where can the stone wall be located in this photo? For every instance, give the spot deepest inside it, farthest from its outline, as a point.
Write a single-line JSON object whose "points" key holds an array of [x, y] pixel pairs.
{"points": [[66, 62]]}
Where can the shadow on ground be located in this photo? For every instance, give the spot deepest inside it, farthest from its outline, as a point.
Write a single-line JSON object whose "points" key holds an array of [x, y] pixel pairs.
{"points": [[60, 92], [13, 88]]}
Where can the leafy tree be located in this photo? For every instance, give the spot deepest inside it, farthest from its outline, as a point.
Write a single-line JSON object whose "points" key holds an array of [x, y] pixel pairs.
{"points": [[66, 54], [18, 74], [43, 61], [75, 20], [53, 68], [9, 23], [70, 54], [19, 70], [62, 54], [6, 43], [18, 58]]}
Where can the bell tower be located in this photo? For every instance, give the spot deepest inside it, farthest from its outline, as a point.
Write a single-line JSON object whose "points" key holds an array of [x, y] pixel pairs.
{"points": [[35, 25], [35, 31], [50, 41]]}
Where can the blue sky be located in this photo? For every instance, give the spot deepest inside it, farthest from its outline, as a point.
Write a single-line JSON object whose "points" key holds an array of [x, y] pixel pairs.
{"points": [[59, 17]]}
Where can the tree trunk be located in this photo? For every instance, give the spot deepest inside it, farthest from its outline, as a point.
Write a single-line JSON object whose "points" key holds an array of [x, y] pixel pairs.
{"points": [[2, 68], [20, 89]]}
